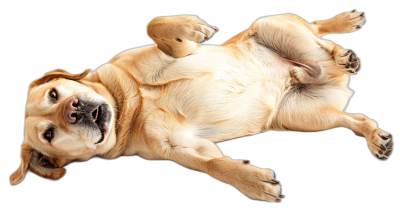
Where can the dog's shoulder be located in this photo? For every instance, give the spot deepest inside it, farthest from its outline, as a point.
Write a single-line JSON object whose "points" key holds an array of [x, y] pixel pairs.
{"points": [[150, 66]]}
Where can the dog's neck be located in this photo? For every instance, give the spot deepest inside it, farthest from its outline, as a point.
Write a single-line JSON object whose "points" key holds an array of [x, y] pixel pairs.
{"points": [[128, 103]]}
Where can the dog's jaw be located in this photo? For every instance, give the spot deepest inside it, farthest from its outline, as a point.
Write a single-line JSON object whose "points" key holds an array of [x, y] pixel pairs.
{"points": [[105, 123]]}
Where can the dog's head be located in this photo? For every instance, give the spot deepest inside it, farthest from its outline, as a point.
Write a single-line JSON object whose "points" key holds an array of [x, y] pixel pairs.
{"points": [[67, 119]]}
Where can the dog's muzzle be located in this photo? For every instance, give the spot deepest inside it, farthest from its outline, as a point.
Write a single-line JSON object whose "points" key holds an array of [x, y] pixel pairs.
{"points": [[88, 114]]}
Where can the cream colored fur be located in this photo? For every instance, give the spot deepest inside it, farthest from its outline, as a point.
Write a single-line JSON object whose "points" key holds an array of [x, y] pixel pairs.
{"points": [[175, 99]]}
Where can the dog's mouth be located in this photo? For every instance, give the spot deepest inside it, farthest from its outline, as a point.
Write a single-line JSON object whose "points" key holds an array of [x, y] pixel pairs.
{"points": [[100, 118]]}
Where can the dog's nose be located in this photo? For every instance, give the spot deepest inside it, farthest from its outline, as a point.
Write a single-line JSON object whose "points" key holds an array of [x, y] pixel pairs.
{"points": [[70, 110]]}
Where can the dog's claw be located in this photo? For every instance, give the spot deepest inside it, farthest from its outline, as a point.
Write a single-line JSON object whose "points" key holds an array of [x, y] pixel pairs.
{"points": [[387, 144], [275, 181], [386, 137]]}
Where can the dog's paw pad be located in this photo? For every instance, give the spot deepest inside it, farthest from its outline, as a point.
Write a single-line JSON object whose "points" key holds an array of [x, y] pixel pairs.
{"points": [[347, 61]]}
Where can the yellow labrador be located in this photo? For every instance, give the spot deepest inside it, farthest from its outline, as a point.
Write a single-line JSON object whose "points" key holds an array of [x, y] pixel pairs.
{"points": [[173, 100]]}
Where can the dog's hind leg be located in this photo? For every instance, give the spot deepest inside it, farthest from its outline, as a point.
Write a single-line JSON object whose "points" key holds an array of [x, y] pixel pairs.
{"points": [[343, 23], [317, 119], [346, 60], [177, 36], [346, 22], [285, 42], [298, 42]]}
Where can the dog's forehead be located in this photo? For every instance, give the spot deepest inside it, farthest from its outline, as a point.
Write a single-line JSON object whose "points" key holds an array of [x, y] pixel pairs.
{"points": [[63, 86]]}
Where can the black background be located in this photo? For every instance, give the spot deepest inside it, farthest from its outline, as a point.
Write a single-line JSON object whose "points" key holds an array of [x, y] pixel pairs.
{"points": [[330, 173]]}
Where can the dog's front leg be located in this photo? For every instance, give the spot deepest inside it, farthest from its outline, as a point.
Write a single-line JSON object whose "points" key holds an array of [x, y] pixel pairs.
{"points": [[178, 36], [170, 139]]}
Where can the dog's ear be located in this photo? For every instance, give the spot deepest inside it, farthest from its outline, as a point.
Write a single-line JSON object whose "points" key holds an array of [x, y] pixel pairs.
{"points": [[26, 154], [40, 164], [59, 74], [45, 166]]}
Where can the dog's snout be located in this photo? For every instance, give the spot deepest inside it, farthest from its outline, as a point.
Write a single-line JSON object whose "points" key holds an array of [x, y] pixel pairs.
{"points": [[71, 108]]}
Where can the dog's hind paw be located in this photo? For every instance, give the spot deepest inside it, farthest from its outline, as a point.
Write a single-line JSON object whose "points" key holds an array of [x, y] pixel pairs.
{"points": [[381, 144], [355, 20], [349, 21], [347, 61]]}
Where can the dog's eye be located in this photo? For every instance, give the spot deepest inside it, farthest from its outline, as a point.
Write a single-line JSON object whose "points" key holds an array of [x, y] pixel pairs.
{"points": [[48, 135], [53, 93]]}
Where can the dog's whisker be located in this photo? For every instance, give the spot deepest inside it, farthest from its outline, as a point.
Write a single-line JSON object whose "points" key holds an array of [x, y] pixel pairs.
{"points": [[118, 122]]}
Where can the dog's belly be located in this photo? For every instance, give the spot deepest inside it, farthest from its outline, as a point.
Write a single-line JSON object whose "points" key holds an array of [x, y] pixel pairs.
{"points": [[227, 99], [230, 110]]}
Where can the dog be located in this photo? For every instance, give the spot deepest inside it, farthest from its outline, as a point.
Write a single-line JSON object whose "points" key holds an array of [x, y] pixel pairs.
{"points": [[175, 99]]}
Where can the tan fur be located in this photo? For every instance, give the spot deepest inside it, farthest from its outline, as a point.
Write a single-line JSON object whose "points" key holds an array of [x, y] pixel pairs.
{"points": [[173, 100]]}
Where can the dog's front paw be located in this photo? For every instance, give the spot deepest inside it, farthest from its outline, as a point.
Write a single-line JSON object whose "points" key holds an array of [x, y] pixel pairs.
{"points": [[255, 183], [347, 61], [184, 28], [260, 184], [380, 144]]}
